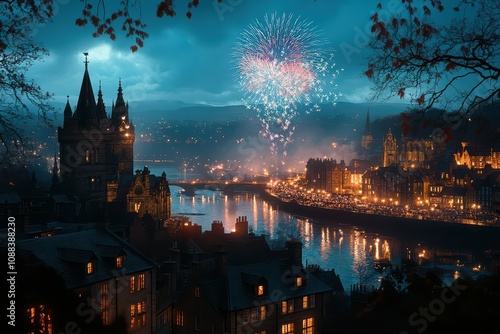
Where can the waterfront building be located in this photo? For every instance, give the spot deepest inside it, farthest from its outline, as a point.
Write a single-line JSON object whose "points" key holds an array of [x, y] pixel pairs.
{"points": [[328, 175]]}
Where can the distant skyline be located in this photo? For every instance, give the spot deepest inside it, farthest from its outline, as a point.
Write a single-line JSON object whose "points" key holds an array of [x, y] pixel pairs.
{"points": [[190, 60]]}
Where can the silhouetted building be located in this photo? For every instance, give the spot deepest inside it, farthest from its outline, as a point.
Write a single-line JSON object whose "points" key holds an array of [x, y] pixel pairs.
{"points": [[110, 280], [95, 148]]}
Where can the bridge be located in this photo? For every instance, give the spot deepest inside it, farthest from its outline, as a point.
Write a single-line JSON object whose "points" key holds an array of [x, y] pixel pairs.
{"points": [[227, 187]]}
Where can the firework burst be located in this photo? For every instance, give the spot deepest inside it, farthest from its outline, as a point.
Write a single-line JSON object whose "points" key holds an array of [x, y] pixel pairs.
{"points": [[283, 65]]}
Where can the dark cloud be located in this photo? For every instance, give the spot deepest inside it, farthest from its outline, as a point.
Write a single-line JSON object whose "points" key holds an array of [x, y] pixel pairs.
{"points": [[191, 59]]}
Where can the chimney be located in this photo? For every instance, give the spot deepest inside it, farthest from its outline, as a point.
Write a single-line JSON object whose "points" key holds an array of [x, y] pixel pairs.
{"points": [[294, 250], [217, 227], [241, 226]]}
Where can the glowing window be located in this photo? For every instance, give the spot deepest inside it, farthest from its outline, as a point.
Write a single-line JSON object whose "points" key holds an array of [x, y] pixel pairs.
{"points": [[298, 281], [260, 290], [90, 267], [119, 261]]}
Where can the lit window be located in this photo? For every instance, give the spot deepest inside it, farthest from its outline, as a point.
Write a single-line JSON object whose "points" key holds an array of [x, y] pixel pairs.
{"points": [[308, 326], [119, 261], [287, 328], [287, 306], [262, 312], [298, 281], [138, 315], [260, 290], [140, 282], [90, 267], [179, 318], [40, 319], [305, 301], [104, 289], [132, 284]]}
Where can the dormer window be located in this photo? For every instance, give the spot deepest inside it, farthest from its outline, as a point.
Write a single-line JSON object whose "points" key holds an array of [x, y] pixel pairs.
{"points": [[120, 260], [260, 290], [298, 281], [90, 267]]}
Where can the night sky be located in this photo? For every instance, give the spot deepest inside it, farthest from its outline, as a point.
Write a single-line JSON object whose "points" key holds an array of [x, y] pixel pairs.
{"points": [[190, 60]]}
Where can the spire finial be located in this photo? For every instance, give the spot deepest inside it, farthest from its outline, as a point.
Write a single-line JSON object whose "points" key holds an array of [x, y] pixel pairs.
{"points": [[67, 98], [86, 62]]}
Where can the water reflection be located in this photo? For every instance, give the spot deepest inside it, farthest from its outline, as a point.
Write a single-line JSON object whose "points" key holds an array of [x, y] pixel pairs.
{"points": [[350, 251]]}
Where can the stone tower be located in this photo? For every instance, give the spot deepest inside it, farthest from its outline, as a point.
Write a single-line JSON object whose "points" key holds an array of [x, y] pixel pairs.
{"points": [[94, 149], [390, 148], [367, 139]]}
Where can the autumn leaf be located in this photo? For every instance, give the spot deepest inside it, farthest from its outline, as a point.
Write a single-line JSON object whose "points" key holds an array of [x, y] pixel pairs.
{"points": [[421, 100], [450, 66], [401, 93], [369, 73]]}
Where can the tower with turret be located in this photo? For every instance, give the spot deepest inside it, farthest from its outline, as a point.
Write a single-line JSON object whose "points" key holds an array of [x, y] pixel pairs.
{"points": [[390, 149], [94, 148]]}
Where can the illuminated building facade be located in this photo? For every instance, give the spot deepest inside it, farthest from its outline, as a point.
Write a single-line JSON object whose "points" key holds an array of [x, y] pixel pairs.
{"points": [[390, 150], [478, 156]]}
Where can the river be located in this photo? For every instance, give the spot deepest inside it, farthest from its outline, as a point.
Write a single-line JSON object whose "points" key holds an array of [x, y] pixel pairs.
{"points": [[349, 250]]}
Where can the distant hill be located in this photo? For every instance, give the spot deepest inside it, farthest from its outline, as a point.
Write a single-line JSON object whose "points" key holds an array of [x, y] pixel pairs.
{"points": [[150, 110]]}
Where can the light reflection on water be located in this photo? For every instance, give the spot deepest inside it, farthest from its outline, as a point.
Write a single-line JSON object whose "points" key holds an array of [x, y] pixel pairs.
{"points": [[346, 250]]}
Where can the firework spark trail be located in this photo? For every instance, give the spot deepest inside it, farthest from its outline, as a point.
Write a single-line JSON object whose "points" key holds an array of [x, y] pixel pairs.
{"points": [[284, 63]]}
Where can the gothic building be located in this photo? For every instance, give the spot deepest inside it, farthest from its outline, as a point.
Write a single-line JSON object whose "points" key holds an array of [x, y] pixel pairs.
{"points": [[416, 153], [97, 160], [390, 153], [95, 148], [367, 138]]}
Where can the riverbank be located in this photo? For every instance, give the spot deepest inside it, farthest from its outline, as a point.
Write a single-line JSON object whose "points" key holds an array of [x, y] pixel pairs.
{"points": [[433, 231]]}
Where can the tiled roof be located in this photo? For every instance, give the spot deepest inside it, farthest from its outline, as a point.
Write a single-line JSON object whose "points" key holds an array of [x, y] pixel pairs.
{"points": [[68, 253], [235, 290]]}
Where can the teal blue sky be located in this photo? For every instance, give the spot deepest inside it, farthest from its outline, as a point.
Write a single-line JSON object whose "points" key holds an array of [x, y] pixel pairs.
{"points": [[190, 60]]}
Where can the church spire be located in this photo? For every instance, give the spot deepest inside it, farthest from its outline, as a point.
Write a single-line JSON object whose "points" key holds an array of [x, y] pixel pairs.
{"points": [[119, 112], [120, 102], [67, 109], [86, 107], [366, 130], [100, 107]]}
